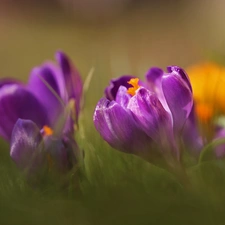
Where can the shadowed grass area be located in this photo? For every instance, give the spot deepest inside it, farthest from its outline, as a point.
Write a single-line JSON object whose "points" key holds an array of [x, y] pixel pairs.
{"points": [[114, 188]]}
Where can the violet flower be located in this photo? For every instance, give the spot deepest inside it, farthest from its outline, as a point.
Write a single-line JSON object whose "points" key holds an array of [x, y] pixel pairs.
{"points": [[136, 115], [35, 116]]}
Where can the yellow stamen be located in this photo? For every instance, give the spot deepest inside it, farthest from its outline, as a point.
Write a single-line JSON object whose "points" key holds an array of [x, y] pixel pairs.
{"points": [[47, 131], [204, 112], [134, 83]]}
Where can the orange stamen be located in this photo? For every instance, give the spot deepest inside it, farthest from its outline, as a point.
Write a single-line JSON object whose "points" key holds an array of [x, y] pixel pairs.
{"points": [[47, 131], [134, 83], [204, 112]]}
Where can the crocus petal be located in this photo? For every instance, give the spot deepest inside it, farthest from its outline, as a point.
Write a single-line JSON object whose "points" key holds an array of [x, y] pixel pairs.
{"points": [[122, 97], [179, 98], [119, 128], [150, 112], [17, 102], [60, 152], [7, 81], [154, 75], [72, 79], [154, 119], [46, 83], [111, 90], [154, 84], [57, 153], [179, 71], [191, 137], [26, 145]]}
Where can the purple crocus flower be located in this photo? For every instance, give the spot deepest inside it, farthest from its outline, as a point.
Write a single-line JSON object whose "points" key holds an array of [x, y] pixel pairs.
{"points": [[38, 118], [136, 115]]}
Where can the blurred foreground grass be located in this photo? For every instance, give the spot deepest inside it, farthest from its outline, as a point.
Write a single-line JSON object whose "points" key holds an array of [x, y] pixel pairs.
{"points": [[113, 188]]}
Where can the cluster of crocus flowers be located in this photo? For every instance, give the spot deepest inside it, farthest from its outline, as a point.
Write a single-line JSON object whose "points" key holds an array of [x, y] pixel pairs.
{"points": [[156, 119], [152, 117], [38, 118]]}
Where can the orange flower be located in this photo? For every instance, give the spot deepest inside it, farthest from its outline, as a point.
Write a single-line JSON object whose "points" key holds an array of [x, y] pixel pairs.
{"points": [[208, 82]]}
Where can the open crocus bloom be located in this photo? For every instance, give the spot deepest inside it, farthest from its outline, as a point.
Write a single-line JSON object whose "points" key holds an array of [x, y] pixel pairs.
{"points": [[32, 148], [33, 115], [136, 114]]}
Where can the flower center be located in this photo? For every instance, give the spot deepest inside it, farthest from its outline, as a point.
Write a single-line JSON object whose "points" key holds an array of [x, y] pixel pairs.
{"points": [[134, 83], [47, 131]]}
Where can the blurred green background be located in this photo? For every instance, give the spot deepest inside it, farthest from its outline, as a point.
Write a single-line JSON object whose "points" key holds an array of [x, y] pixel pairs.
{"points": [[114, 37]]}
